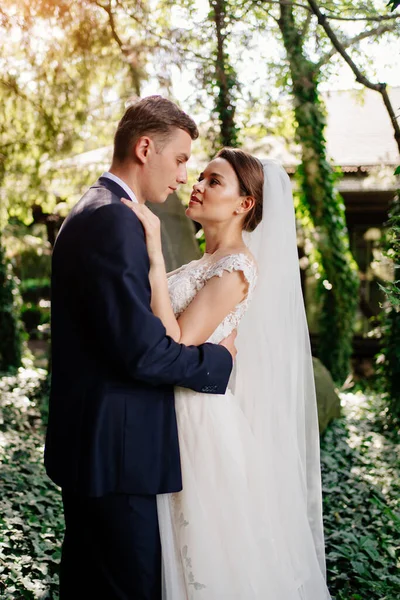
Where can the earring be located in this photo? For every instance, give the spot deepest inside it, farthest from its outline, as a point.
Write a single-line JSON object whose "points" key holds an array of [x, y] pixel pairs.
{"points": [[236, 212]]}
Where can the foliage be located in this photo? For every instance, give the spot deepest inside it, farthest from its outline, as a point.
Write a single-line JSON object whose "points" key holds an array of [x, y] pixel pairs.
{"points": [[393, 250], [11, 336], [35, 289], [69, 67], [35, 310], [56, 97], [31, 261], [389, 359], [31, 522], [390, 356], [361, 490], [36, 319]]}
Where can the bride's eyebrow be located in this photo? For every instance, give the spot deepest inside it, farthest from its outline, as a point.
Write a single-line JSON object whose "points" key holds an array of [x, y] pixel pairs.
{"points": [[201, 176], [217, 175]]}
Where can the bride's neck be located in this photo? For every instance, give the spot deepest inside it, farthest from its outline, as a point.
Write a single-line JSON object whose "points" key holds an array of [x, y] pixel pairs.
{"points": [[220, 238]]}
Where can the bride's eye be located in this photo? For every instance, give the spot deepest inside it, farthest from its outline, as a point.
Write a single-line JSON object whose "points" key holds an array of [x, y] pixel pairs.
{"points": [[214, 181]]}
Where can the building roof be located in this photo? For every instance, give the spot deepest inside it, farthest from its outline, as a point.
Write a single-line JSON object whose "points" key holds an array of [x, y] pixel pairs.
{"points": [[359, 130]]}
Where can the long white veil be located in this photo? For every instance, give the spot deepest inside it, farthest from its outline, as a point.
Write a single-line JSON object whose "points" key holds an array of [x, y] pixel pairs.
{"points": [[273, 380]]}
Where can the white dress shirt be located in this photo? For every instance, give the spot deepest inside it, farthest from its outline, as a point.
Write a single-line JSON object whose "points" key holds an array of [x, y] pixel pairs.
{"points": [[125, 187]]}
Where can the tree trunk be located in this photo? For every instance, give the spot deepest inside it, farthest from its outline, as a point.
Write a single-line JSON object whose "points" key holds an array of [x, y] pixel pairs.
{"points": [[338, 278], [225, 77]]}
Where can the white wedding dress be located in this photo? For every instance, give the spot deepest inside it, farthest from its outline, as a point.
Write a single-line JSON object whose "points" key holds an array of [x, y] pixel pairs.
{"points": [[221, 537], [248, 523]]}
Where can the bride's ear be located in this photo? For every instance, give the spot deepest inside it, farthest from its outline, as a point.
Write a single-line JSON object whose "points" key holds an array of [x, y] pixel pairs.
{"points": [[247, 204]]}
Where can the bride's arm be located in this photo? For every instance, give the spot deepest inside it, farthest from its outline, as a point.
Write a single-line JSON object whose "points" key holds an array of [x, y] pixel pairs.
{"points": [[217, 299], [211, 304]]}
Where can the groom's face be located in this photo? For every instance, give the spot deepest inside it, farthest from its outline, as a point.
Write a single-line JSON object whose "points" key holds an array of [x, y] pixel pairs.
{"points": [[166, 166]]}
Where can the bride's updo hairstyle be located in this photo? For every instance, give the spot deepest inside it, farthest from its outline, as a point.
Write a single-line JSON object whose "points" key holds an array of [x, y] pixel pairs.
{"points": [[250, 174]]}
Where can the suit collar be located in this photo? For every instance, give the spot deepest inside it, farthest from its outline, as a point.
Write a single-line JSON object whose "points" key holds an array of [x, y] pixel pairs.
{"points": [[128, 190], [113, 187]]}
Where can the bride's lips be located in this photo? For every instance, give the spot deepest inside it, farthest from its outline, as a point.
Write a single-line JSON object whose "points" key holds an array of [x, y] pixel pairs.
{"points": [[194, 200]]}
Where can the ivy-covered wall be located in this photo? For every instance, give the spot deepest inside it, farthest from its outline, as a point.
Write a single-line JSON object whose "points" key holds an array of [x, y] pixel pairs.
{"points": [[322, 209]]}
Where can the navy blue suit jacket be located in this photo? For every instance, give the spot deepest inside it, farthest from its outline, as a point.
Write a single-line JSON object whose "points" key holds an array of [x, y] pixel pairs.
{"points": [[112, 424]]}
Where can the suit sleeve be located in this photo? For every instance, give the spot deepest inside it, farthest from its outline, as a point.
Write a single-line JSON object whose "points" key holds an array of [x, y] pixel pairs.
{"points": [[118, 299]]}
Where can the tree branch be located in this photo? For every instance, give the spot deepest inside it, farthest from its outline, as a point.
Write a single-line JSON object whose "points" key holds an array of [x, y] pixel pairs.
{"points": [[360, 77], [352, 41], [377, 18], [333, 16], [306, 24], [108, 10], [13, 86]]}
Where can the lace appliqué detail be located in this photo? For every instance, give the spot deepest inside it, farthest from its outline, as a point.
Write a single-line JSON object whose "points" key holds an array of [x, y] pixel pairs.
{"points": [[188, 565], [184, 551], [184, 285]]}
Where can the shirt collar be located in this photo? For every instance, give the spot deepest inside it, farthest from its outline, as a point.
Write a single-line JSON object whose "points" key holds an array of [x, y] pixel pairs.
{"points": [[122, 184]]}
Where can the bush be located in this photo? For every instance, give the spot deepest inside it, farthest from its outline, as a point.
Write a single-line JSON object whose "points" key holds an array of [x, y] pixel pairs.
{"points": [[34, 317], [31, 521], [361, 490], [11, 333], [33, 290]]}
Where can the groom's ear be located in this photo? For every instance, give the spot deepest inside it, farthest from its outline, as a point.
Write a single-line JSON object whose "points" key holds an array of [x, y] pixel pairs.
{"points": [[141, 149]]}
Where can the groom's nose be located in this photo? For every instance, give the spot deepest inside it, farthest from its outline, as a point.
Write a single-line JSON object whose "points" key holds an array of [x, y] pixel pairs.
{"points": [[182, 174]]}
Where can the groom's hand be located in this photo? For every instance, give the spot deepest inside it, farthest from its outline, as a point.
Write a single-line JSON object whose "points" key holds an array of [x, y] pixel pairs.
{"points": [[229, 343]]}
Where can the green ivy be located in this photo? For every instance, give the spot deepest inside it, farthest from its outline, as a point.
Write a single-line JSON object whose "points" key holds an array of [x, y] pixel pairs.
{"points": [[389, 367], [224, 78], [31, 518], [361, 491]]}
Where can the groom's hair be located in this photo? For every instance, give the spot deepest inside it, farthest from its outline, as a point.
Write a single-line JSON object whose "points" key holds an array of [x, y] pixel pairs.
{"points": [[154, 116]]}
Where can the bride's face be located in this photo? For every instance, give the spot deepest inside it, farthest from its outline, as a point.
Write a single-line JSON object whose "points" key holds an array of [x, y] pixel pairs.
{"points": [[216, 195]]}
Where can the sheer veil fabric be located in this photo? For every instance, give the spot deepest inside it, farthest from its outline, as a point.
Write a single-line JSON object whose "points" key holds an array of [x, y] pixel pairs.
{"points": [[248, 524], [274, 383]]}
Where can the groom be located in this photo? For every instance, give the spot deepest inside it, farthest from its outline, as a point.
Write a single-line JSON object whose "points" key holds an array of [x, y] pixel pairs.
{"points": [[112, 441]]}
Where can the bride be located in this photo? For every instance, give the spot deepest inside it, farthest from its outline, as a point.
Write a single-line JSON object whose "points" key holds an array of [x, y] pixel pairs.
{"points": [[248, 523]]}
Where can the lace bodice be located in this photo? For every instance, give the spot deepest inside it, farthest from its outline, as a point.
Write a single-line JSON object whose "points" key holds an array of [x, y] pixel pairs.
{"points": [[184, 284]]}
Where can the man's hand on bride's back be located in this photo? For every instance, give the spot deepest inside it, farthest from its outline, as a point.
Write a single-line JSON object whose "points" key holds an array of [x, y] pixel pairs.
{"points": [[229, 343], [152, 228]]}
